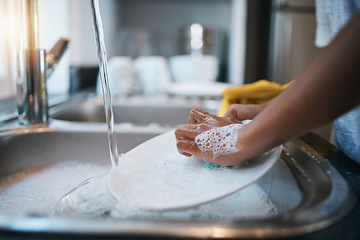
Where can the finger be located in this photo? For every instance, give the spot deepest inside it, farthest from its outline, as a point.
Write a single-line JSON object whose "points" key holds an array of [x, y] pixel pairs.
{"points": [[190, 148], [186, 154], [242, 112], [186, 147], [190, 131], [232, 120], [183, 133], [231, 112], [197, 116]]}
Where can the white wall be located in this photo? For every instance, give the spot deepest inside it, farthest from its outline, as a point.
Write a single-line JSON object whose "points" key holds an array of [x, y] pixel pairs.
{"points": [[53, 24], [237, 46], [68, 18], [83, 49], [6, 87]]}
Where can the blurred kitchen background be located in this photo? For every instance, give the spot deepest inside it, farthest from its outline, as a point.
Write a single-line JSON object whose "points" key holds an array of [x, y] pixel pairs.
{"points": [[176, 47]]}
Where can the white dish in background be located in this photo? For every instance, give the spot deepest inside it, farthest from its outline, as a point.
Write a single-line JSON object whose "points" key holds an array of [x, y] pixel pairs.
{"points": [[190, 68], [122, 77], [198, 89], [154, 176], [154, 74]]}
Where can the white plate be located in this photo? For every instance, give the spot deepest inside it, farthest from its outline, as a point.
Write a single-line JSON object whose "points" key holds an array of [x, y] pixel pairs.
{"points": [[154, 176]]}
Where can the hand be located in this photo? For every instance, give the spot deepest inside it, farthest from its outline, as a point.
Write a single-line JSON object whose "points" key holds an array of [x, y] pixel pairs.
{"points": [[244, 111], [201, 117], [199, 122]]}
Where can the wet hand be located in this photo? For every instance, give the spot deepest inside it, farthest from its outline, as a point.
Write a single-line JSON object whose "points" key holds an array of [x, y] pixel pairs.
{"points": [[243, 111], [198, 123], [198, 116]]}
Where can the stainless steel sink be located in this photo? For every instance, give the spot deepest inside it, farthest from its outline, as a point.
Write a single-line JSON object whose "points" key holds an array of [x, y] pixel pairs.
{"points": [[164, 114], [307, 191], [41, 145]]}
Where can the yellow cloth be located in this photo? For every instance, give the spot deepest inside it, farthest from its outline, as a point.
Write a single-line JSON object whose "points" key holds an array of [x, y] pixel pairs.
{"points": [[252, 93]]}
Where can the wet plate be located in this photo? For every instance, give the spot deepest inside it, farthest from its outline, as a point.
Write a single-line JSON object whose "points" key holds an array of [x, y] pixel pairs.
{"points": [[154, 176]]}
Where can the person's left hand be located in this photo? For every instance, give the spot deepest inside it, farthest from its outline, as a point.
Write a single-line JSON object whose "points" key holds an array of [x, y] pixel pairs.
{"points": [[199, 122]]}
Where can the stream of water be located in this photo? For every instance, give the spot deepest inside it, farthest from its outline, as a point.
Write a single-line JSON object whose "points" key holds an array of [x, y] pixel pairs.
{"points": [[93, 197], [102, 58]]}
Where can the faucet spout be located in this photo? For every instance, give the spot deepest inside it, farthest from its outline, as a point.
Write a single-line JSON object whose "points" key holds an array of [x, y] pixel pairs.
{"points": [[55, 54], [33, 68], [31, 86]]}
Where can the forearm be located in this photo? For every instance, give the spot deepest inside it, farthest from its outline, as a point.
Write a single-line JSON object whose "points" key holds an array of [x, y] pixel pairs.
{"points": [[329, 87]]}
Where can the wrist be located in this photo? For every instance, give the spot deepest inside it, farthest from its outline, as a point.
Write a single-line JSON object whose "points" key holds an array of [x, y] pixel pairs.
{"points": [[250, 142]]}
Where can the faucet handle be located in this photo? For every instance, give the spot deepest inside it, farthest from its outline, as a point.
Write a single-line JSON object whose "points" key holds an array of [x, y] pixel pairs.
{"points": [[55, 54]]}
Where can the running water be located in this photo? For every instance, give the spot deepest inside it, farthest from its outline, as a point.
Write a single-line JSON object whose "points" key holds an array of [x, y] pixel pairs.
{"points": [[100, 44], [93, 196]]}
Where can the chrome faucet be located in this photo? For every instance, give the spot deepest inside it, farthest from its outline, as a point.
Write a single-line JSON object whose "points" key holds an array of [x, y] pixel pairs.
{"points": [[33, 67]]}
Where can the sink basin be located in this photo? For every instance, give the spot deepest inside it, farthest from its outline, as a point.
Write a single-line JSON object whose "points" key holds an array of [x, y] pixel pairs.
{"points": [[165, 114], [44, 145], [307, 191]]}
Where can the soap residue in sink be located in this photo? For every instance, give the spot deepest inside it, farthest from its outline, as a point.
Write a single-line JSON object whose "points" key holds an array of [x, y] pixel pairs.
{"points": [[38, 191]]}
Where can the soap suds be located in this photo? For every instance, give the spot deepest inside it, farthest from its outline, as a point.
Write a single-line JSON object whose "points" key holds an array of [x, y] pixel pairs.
{"points": [[219, 140], [38, 191]]}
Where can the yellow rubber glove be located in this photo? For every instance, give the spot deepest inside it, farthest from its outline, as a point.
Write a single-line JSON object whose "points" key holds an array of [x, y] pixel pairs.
{"points": [[252, 93]]}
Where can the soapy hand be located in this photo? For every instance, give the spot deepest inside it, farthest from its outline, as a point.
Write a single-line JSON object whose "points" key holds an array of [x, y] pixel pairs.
{"points": [[204, 135]]}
